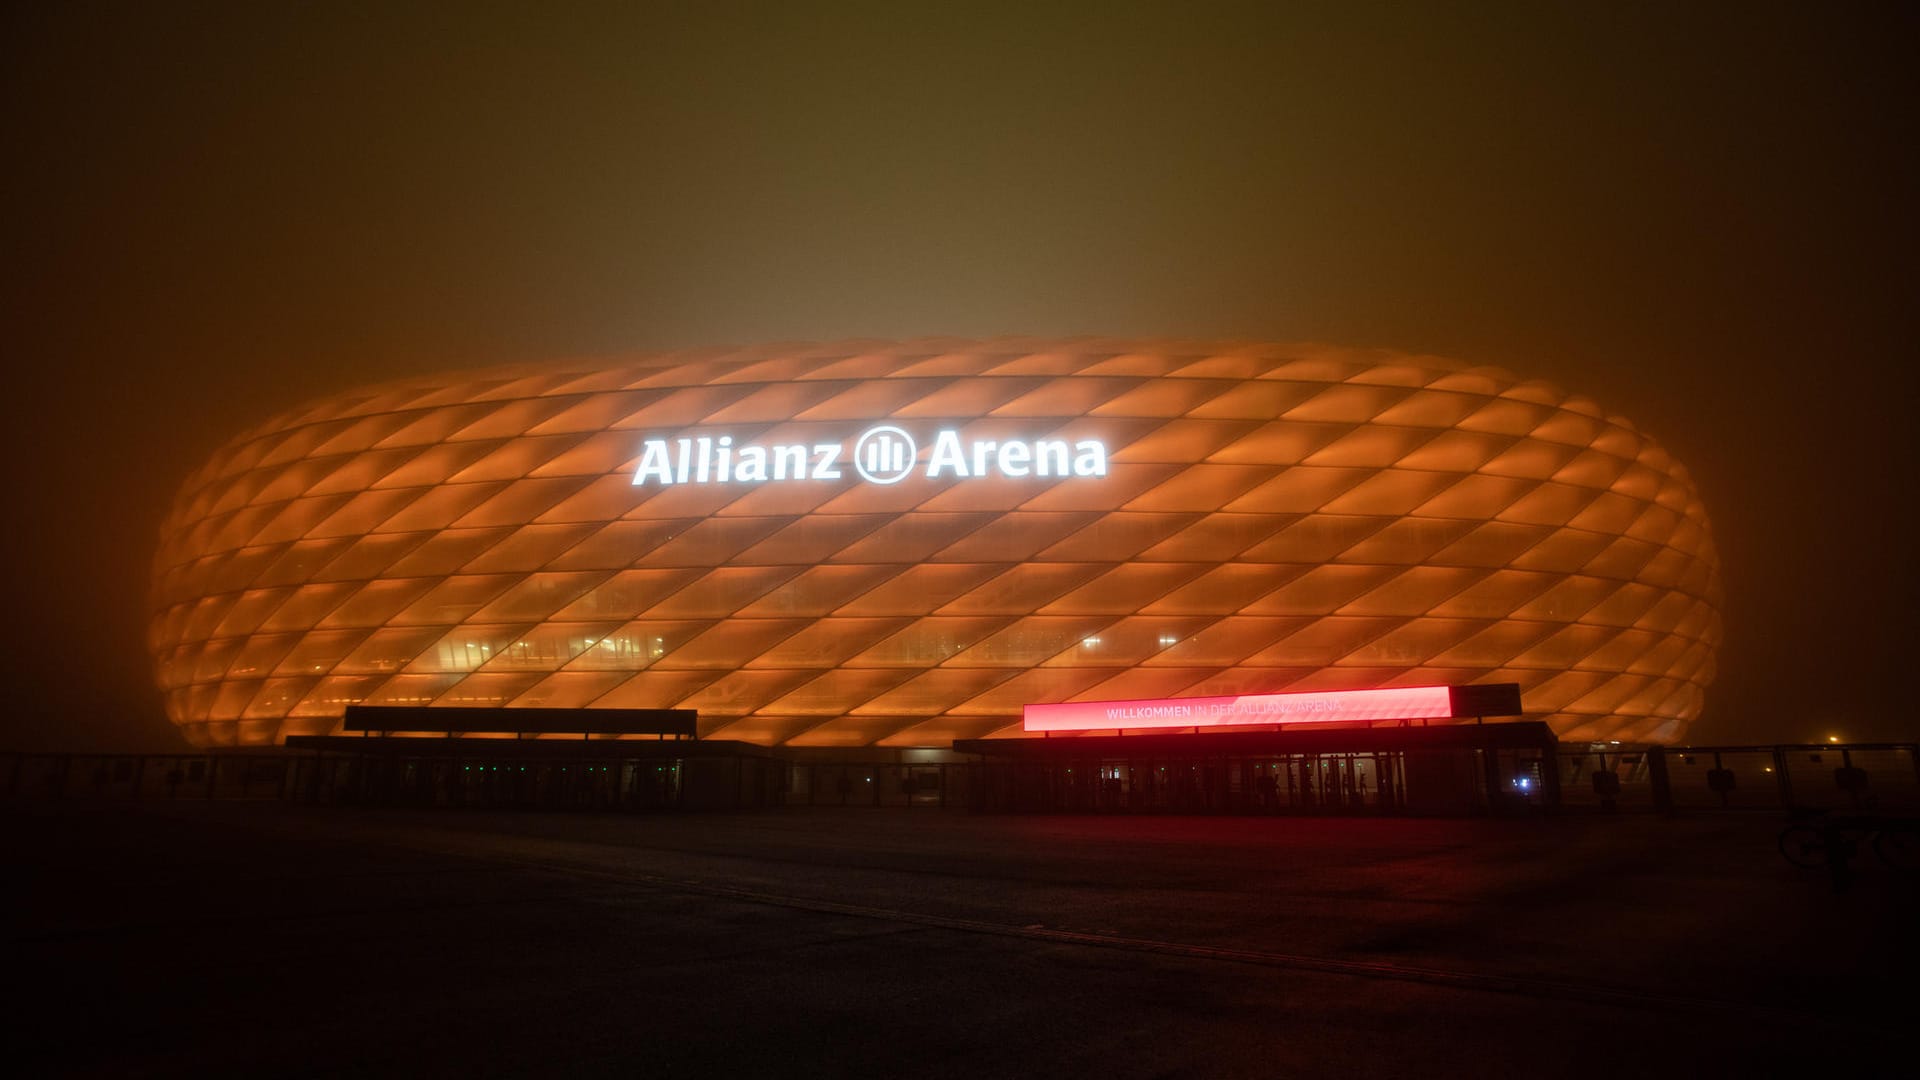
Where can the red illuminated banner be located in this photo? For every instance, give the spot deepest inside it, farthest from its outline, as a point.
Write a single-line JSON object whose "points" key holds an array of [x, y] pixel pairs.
{"points": [[1347, 706]]}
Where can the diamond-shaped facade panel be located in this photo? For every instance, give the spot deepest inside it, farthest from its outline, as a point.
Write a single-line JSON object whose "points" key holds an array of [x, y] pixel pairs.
{"points": [[899, 544]]}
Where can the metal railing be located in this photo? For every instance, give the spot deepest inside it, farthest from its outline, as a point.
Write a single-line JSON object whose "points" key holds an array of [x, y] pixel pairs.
{"points": [[1869, 778]]}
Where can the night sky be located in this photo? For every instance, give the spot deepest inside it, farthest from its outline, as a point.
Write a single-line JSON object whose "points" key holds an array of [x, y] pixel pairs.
{"points": [[1701, 215]]}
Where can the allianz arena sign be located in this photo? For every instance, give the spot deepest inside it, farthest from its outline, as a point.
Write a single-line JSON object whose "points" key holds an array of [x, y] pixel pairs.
{"points": [[883, 454]]}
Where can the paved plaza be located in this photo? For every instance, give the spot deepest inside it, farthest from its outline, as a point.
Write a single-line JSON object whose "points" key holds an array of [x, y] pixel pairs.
{"points": [[224, 938]]}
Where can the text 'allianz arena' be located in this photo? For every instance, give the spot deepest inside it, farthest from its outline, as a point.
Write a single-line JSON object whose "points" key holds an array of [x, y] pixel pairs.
{"points": [[901, 544]]}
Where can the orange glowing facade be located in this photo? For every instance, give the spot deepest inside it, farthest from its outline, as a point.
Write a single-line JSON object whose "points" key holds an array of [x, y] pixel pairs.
{"points": [[900, 544]]}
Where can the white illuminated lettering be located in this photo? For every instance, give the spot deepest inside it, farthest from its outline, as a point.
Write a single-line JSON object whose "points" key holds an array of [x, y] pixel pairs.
{"points": [[946, 454], [1050, 457], [883, 454], [1090, 458], [653, 462], [753, 464]]}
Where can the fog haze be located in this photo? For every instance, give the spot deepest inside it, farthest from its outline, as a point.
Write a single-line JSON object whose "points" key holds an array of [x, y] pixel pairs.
{"points": [[1700, 215]]}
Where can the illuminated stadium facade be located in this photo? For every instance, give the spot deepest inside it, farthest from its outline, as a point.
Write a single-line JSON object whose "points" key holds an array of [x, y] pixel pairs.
{"points": [[902, 544]]}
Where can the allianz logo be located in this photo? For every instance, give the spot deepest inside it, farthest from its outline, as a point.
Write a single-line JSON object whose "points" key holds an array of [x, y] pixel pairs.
{"points": [[883, 454]]}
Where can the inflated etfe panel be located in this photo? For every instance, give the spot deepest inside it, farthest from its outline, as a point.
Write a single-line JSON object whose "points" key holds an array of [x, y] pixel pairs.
{"points": [[903, 543]]}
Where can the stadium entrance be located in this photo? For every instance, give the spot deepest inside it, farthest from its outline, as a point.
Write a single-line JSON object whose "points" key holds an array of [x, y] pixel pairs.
{"points": [[1449, 769]]}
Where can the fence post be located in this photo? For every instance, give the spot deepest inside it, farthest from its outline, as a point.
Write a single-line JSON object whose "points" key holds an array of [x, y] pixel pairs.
{"points": [[1780, 777], [1658, 780]]}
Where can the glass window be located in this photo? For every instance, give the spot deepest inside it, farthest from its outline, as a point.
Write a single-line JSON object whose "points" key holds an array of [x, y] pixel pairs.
{"points": [[215, 657], [626, 594], [731, 644], [318, 653], [1227, 641], [389, 649], [454, 598], [1127, 642], [330, 697], [1035, 638], [488, 689], [548, 646], [466, 648], [637, 644]]}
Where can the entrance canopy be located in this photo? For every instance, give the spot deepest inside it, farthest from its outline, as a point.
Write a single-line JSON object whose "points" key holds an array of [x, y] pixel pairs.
{"points": [[1317, 707]]}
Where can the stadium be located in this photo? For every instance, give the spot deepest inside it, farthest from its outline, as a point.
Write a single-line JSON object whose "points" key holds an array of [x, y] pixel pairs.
{"points": [[873, 545]]}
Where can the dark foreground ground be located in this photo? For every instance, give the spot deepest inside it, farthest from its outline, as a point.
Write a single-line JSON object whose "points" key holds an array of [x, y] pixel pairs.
{"points": [[226, 938]]}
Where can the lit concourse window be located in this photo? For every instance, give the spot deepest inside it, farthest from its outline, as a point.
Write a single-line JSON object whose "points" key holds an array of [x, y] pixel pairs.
{"points": [[902, 544]]}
